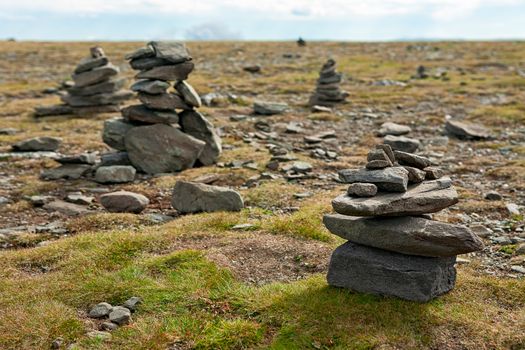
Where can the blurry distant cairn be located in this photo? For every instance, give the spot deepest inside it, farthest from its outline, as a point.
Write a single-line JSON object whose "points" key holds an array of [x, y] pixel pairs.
{"points": [[301, 42], [95, 88], [327, 92]]}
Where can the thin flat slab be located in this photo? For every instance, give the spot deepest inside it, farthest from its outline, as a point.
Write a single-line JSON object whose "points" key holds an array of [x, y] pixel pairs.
{"points": [[376, 271], [165, 101], [392, 179], [111, 98], [407, 234], [178, 71], [94, 76], [425, 197]]}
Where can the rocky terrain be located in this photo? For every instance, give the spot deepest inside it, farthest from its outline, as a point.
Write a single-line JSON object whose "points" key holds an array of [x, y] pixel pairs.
{"points": [[256, 278]]}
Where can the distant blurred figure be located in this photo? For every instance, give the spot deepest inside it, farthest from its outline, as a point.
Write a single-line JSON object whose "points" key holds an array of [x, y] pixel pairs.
{"points": [[301, 42]]}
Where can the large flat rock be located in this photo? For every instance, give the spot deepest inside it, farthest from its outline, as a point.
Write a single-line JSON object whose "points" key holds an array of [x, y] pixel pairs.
{"points": [[161, 148], [173, 51], [164, 101], [407, 234], [376, 271], [191, 197], [196, 125], [143, 114], [178, 71], [466, 130], [110, 98], [392, 179], [95, 75], [99, 88], [425, 197]]}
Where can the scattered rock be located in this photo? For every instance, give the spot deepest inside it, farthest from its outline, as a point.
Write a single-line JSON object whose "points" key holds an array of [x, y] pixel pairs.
{"points": [[390, 128], [43, 143], [124, 202], [120, 315], [191, 197], [269, 108], [100, 310], [115, 174], [66, 171], [360, 189], [402, 143], [465, 130], [194, 124], [132, 303], [493, 196], [65, 208]]}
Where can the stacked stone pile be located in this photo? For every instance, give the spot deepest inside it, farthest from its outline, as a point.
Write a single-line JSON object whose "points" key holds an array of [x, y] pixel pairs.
{"points": [[154, 137], [96, 88], [393, 247], [327, 92]]}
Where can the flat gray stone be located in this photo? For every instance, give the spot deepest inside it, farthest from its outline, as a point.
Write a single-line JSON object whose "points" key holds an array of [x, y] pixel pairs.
{"points": [[99, 88], [433, 173], [124, 202], [120, 315], [45, 111], [378, 164], [173, 51], [359, 189], [195, 124], [162, 148], [142, 52], [114, 158], [132, 303], [89, 63], [110, 98], [82, 158], [35, 144], [152, 87], [390, 128], [422, 198], [370, 270], [65, 208], [412, 160], [66, 171], [402, 143], [188, 93], [114, 131], [100, 310], [165, 101], [466, 130], [269, 108], [393, 179], [95, 75], [415, 175], [191, 197], [143, 114], [408, 235], [168, 73], [115, 174], [146, 63]]}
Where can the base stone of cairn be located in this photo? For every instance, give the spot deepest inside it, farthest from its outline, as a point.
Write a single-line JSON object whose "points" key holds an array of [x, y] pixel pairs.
{"points": [[165, 133], [327, 92], [96, 89], [391, 249]]}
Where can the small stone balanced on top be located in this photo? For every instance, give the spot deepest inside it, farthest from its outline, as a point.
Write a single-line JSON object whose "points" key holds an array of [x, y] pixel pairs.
{"points": [[155, 136], [327, 92], [96, 88], [392, 248]]}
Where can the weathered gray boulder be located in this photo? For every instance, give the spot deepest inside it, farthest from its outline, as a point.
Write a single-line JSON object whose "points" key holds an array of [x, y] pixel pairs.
{"points": [[114, 131], [162, 148], [120, 315], [100, 310], [189, 95], [152, 87], [172, 51], [466, 130], [124, 202], [407, 234], [167, 73], [142, 114], [35, 144], [376, 271], [422, 198], [402, 143], [168, 101], [390, 128], [412, 160], [190, 197], [196, 125], [392, 179], [269, 108], [115, 174], [96, 75], [66, 171]]}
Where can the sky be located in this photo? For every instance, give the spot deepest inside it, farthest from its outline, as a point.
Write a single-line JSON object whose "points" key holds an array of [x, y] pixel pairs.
{"points": [[341, 20]]}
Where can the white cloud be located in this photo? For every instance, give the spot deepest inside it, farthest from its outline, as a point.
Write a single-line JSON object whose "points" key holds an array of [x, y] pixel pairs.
{"points": [[438, 9]]}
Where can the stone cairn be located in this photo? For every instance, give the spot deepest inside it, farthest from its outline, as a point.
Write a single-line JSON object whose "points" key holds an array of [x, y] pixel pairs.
{"points": [[152, 135], [394, 248], [95, 88], [327, 92]]}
